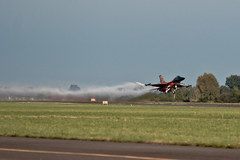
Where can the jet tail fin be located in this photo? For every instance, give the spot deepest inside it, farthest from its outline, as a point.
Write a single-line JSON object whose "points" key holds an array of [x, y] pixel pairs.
{"points": [[161, 79]]}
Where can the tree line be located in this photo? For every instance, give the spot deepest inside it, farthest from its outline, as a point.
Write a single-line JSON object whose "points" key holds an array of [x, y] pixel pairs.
{"points": [[208, 89]]}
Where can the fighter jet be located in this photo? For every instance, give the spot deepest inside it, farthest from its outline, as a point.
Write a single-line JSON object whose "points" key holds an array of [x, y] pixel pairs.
{"points": [[171, 86]]}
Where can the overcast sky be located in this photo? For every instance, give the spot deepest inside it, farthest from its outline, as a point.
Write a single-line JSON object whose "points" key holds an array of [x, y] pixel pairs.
{"points": [[107, 42]]}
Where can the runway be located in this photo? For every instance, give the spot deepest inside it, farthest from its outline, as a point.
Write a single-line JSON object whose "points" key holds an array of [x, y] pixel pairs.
{"points": [[53, 149]]}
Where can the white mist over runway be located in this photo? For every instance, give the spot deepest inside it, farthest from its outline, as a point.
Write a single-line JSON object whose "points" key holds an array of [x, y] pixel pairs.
{"points": [[132, 89]]}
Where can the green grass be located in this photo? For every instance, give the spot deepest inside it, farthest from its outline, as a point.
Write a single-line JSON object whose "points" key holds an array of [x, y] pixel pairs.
{"points": [[181, 125]]}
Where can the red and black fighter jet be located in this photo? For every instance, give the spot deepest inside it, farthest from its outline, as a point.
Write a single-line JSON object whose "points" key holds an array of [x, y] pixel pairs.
{"points": [[171, 86]]}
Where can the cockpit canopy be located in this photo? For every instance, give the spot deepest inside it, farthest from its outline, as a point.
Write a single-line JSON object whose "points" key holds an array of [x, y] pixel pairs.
{"points": [[178, 79]]}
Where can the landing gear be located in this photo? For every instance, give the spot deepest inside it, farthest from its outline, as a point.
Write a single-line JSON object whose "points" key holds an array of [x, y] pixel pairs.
{"points": [[174, 91], [168, 89]]}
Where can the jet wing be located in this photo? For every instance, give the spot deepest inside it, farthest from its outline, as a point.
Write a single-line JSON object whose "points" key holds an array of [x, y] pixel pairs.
{"points": [[182, 85], [157, 85]]}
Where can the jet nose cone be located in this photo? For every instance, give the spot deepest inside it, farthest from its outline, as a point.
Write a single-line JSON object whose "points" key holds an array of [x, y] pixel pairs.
{"points": [[182, 78]]}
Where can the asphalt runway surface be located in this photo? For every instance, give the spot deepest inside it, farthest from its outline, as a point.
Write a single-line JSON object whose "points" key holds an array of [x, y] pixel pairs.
{"points": [[18, 148]]}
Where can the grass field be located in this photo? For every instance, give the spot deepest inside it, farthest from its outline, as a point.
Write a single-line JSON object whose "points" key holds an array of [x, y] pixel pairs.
{"points": [[200, 126]]}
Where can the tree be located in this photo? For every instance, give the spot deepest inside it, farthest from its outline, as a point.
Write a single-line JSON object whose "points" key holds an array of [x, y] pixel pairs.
{"points": [[225, 95], [235, 94], [224, 90], [74, 87], [207, 88], [233, 80], [185, 94]]}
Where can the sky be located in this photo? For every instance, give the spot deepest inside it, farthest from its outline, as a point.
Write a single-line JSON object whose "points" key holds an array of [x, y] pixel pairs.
{"points": [[109, 42]]}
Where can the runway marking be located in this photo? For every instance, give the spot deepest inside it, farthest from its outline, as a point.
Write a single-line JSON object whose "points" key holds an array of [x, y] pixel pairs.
{"points": [[81, 154]]}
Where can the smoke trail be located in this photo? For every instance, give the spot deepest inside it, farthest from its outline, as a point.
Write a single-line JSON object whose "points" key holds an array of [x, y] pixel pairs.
{"points": [[125, 89]]}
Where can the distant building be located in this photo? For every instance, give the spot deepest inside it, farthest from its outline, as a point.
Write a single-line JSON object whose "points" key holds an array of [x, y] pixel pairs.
{"points": [[93, 100], [74, 87], [105, 102]]}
